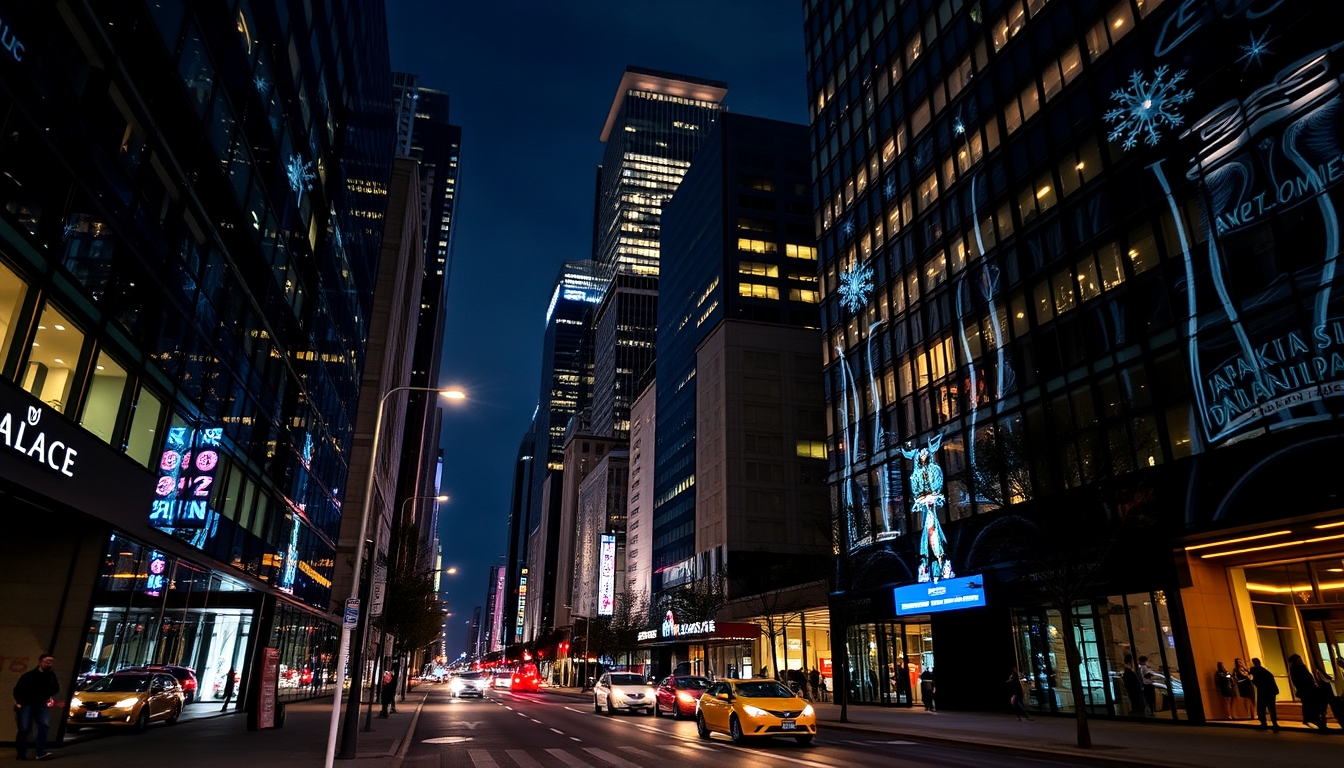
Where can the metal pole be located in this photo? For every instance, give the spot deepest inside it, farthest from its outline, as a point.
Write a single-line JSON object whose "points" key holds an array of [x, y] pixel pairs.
{"points": [[344, 652]]}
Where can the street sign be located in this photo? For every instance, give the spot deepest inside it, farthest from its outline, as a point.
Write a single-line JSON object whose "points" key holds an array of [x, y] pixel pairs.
{"points": [[351, 613], [379, 591]]}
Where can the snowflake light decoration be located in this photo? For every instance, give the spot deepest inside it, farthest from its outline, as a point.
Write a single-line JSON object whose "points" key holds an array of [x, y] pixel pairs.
{"points": [[300, 174], [1252, 52], [958, 127], [855, 285], [1147, 106], [890, 189], [847, 227], [262, 85]]}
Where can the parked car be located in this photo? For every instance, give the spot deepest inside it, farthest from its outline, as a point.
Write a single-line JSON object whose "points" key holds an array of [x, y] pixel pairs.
{"points": [[185, 676], [468, 684], [747, 708], [502, 679], [623, 690], [678, 695], [132, 699]]}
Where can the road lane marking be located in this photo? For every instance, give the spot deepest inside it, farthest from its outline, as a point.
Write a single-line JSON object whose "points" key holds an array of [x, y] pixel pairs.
{"points": [[556, 730], [535, 720], [580, 711], [567, 758], [523, 759], [639, 752], [607, 757], [573, 738], [448, 740], [481, 759]]}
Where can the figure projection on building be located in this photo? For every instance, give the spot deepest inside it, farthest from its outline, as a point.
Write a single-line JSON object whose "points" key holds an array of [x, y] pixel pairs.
{"points": [[926, 490]]}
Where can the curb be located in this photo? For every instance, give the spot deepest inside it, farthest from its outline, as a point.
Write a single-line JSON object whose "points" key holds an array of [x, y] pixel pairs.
{"points": [[406, 740], [1074, 755]]}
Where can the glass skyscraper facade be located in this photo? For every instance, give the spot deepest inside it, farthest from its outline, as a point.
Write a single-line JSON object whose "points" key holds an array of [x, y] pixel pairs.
{"points": [[1078, 262], [187, 249]]}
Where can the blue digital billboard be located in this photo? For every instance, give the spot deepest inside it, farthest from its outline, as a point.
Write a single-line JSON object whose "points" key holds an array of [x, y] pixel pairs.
{"points": [[944, 595]]}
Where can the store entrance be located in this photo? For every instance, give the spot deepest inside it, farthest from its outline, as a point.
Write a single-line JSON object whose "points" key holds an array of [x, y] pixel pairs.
{"points": [[1324, 628]]}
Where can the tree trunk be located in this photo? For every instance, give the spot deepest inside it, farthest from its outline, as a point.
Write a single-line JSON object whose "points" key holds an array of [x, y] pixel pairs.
{"points": [[1074, 659], [774, 655]]}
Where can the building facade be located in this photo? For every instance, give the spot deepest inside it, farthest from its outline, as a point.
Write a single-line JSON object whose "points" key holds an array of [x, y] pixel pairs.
{"points": [[187, 252], [1078, 265]]}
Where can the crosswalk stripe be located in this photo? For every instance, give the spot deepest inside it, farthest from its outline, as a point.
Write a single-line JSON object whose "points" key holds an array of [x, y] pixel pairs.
{"points": [[611, 759], [639, 752], [481, 759], [567, 758], [523, 759]]}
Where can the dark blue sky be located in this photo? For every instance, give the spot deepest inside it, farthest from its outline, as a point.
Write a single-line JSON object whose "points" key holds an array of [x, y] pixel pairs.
{"points": [[530, 83]]}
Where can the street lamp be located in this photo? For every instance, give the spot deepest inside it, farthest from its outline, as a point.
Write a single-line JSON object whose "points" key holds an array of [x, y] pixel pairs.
{"points": [[440, 498], [341, 658]]}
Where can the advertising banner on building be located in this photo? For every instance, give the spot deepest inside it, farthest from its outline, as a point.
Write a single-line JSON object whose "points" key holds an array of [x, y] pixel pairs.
{"points": [[606, 575], [945, 595], [270, 679]]}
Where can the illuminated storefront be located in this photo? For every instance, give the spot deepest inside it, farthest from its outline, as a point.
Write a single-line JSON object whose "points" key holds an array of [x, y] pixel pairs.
{"points": [[713, 649]]}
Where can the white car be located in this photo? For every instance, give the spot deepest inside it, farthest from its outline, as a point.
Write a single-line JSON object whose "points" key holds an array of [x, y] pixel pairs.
{"points": [[468, 684], [623, 690]]}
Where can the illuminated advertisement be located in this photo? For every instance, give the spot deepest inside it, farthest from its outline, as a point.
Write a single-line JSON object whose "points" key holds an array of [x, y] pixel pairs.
{"points": [[186, 478], [946, 595], [926, 489], [606, 575], [522, 603], [157, 578]]}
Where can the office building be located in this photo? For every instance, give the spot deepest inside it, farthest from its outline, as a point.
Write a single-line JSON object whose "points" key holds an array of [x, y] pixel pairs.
{"points": [[1078, 263], [188, 249]]}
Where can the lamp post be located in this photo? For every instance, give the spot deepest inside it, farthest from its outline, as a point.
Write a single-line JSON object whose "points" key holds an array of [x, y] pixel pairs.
{"points": [[440, 498], [341, 658]]}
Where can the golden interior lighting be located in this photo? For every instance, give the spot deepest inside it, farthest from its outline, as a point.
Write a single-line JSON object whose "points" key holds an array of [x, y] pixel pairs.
{"points": [[1236, 541], [1273, 546], [1330, 525]]}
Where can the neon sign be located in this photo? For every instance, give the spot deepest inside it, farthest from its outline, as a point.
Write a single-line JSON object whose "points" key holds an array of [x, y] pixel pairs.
{"points": [[606, 576], [186, 473], [54, 455], [157, 577]]}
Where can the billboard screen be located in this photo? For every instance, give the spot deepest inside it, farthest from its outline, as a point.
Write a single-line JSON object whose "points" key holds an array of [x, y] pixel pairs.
{"points": [[606, 575]]}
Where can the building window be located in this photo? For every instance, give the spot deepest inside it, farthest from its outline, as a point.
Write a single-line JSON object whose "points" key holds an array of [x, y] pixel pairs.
{"points": [[142, 438], [757, 291], [803, 295], [1008, 25], [102, 405], [800, 252], [812, 449], [756, 246], [757, 268], [12, 291], [51, 361]]}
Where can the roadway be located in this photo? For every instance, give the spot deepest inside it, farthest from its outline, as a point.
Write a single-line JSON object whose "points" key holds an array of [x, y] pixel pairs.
{"points": [[536, 730]]}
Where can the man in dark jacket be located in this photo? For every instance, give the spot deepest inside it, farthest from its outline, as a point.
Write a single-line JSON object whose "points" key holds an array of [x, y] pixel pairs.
{"points": [[1266, 689], [32, 705], [1305, 685]]}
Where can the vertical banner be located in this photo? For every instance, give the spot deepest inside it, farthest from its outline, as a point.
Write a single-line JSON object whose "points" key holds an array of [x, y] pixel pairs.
{"points": [[270, 679], [606, 576]]}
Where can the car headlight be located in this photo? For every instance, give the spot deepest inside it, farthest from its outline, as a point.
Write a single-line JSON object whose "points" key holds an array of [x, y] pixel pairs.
{"points": [[127, 703], [75, 702], [455, 685], [808, 711], [754, 711], [649, 693]]}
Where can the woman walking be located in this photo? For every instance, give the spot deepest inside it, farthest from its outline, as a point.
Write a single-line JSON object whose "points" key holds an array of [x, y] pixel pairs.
{"points": [[1245, 687]]}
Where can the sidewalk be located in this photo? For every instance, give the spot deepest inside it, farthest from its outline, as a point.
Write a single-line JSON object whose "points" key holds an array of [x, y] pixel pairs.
{"points": [[223, 741], [1114, 742]]}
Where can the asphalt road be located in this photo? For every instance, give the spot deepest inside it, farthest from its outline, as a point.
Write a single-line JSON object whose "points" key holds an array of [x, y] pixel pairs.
{"points": [[532, 730]]}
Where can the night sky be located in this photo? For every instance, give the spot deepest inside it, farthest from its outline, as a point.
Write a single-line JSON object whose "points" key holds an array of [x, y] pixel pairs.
{"points": [[530, 83]]}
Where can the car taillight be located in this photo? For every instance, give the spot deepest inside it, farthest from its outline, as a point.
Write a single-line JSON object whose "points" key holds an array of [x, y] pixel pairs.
{"points": [[684, 696]]}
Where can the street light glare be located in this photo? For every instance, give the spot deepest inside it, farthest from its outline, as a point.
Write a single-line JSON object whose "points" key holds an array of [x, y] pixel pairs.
{"points": [[452, 571], [441, 498], [453, 394]]}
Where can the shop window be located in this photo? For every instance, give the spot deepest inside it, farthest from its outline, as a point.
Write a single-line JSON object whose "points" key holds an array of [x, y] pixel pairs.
{"points": [[102, 404], [142, 437], [12, 292], [50, 372]]}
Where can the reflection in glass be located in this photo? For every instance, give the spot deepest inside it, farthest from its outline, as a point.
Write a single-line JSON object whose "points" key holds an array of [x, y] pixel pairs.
{"points": [[103, 401]]}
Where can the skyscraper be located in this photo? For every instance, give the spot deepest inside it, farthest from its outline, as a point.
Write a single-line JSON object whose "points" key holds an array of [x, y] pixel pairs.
{"points": [[653, 130]]}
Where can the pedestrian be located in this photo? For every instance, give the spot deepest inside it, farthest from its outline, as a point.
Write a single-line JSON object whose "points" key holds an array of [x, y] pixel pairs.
{"points": [[1245, 687], [387, 693], [1149, 686], [1017, 698], [228, 688], [765, 671], [1266, 693], [1134, 687], [1227, 690], [732, 671], [1325, 694], [1304, 684], [32, 705], [927, 690], [814, 680]]}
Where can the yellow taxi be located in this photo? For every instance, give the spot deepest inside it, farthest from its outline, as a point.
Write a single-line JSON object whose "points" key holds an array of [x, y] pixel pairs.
{"points": [[127, 699], [744, 709]]}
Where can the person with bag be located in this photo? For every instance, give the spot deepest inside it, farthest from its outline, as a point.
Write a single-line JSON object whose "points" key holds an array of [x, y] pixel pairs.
{"points": [[1227, 689], [1304, 685], [1245, 688]]}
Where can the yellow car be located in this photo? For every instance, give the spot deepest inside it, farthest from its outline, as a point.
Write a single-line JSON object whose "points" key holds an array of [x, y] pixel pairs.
{"points": [[127, 699], [747, 708]]}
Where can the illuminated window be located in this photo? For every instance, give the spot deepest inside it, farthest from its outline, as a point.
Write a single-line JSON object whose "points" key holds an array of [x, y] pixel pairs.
{"points": [[1142, 250], [756, 246], [1089, 287], [102, 404], [757, 268], [142, 437], [800, 252], [12, 291], [50, 372], [1119, 21], [913, 49], [1008, 25], [1065, 298], [920, 118], [757, 291], [803, 295], [1147, 6], [755, 225], [928, 191], [1112, 273], [812, 449]]}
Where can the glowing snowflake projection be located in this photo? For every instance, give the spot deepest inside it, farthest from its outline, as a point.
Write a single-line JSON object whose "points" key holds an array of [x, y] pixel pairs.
{"points": [[1146, 107], [262, 85], [890, 189], [958, 127], [855, 285], [1252, 52], [300, 174], [847, 226]]}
